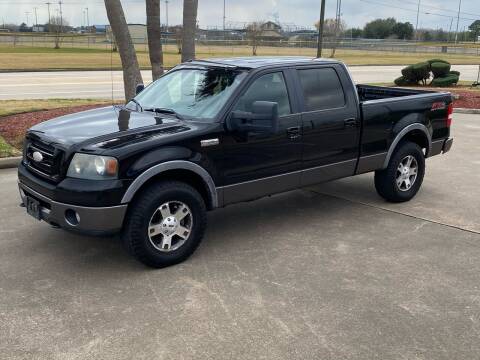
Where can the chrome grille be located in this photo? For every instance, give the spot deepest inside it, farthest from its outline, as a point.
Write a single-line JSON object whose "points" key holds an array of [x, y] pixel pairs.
{"points": [[49, 164]]}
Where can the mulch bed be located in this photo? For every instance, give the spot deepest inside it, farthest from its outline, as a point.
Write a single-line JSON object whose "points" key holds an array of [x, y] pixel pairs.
{"points": [[14, 127], [468, 99]]}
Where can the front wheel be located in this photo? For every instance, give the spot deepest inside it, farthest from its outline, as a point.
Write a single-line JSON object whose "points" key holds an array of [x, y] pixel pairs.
{"points": [[402, 178], [165, 224]]}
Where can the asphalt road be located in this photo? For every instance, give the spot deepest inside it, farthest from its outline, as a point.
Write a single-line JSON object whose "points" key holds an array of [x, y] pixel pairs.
{"points": [[329, 272], [98, 84]]}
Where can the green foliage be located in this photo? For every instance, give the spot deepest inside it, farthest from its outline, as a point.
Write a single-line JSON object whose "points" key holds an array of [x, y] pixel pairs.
{"points": [[440, 69], [431, 61], [385, 28], [403, 81], [415, 73], [447, 80], [403, 30]]}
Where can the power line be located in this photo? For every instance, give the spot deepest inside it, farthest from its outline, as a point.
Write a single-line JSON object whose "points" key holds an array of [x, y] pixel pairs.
{"points": [[412, 10]]}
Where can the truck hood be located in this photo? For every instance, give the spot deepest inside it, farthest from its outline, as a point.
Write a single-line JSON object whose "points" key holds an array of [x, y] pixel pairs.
{"points": [[100, 125]]}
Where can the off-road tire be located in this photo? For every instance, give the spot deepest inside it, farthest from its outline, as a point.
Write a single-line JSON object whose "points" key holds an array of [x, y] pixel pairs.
{"points": [[135, 232], [386, 179]]}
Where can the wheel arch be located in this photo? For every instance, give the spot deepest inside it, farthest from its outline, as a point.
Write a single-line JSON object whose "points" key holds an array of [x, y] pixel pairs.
{"points": [[180, 170], [417, 133]]}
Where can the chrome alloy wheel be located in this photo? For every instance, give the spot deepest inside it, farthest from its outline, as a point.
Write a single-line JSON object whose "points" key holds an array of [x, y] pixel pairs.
{"points": [[407, 172], [170, 226]]}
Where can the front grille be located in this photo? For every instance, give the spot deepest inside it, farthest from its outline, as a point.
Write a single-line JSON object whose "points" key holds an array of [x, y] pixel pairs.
{"points": [[49, 165]]}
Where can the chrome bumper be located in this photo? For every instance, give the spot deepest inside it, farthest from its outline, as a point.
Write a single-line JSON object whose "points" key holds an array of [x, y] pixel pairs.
{"points": [[89, 220]]}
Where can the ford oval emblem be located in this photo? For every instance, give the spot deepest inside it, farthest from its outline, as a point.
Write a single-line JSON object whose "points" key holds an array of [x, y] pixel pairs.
{"points": [[37, 156]]}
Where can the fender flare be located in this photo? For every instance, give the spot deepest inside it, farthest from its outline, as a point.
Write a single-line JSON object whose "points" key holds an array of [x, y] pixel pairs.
{"points": [[172, 165], [401, 135]]}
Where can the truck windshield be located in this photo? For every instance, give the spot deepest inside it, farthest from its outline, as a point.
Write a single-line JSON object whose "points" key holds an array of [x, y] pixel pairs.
{"points": [[191, 93]]}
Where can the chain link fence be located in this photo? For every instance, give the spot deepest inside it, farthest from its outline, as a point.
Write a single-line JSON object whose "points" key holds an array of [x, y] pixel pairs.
{"points": [[233, 47]]}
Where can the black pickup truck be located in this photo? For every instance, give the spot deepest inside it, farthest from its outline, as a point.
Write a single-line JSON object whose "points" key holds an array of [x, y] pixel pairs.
{"points": [[210, 133]]}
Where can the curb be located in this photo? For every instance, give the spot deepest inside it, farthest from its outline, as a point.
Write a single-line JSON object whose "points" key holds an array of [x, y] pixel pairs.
{"points": [[10, 162], [466, 111]]}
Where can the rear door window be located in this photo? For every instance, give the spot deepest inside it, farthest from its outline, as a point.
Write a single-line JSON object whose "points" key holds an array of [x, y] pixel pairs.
{"points": [[322, 89]]}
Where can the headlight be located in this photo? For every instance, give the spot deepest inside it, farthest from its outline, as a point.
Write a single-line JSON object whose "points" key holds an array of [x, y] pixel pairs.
{"points": [[93, 167]]}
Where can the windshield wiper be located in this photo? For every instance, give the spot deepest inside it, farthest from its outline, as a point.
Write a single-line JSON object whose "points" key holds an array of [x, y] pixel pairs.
{"points": [[137, 103], [165, 111]]}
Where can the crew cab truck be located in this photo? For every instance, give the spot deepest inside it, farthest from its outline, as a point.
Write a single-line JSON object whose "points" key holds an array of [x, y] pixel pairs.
{"points": [[211, 133]]}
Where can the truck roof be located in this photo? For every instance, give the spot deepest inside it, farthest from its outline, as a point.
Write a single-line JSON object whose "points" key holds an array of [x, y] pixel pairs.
{"points": [[253, 62]]}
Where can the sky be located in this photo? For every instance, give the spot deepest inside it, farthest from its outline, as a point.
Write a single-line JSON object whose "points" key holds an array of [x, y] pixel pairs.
{"points": [[304, 13]]}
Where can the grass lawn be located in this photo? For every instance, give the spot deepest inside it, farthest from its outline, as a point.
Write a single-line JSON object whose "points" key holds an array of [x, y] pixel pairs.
{"points": [[46, 58], [7, 150], [11, 107]]}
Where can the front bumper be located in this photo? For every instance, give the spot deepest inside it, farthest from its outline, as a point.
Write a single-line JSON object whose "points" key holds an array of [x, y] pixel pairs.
{"points": [[90, 220]]}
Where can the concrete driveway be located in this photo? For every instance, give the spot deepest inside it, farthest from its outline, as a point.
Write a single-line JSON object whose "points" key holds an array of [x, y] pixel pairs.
{"points": [[330, 272]]}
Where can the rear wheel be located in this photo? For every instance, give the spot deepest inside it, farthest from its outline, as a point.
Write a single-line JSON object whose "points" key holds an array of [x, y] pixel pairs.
{"points": [[402, 178], [165, 224]]}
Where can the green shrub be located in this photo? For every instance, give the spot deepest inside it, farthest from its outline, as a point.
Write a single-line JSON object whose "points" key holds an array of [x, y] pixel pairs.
{"points": [[445, 80], [408, 72], [416, 72], [440, 69], [403, 81], [431, 61], [442, 76]]}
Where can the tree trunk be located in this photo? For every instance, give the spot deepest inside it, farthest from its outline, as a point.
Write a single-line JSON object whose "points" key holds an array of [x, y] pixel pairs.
{"points": [[154, 34], [128, 56], [189, 29]]}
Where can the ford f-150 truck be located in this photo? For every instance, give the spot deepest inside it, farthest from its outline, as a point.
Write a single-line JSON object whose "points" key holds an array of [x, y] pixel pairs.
{"points": [[211, 133]]}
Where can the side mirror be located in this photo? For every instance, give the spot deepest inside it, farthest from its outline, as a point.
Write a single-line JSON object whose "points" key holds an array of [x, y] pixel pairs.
{"points": [[139, 88], [262, 119]]}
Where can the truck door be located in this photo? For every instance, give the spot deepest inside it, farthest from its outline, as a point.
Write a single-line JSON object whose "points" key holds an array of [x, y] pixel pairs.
{"points": [[256, 165], [330, 123]]}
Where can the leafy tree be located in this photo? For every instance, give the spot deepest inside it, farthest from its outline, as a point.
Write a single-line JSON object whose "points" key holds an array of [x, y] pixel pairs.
{"points": [[475, 29], [403, 30], [354, 33], [379, 28]]}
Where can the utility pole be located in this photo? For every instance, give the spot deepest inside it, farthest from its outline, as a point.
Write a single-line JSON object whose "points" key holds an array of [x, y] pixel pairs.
{"points": [[320, 29], [450, 29], [88, 20], [224, 16], [48, 7], [458, 20], [166, 12], [35, 11], [61, 15], [27, 13], [416, 26]]}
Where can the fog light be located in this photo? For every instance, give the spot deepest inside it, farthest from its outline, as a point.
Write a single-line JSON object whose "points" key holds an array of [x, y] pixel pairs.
{"points": [[72, 217]]}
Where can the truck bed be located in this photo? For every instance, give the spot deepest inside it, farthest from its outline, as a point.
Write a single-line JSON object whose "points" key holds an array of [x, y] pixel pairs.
{"points": [[367, 92]]}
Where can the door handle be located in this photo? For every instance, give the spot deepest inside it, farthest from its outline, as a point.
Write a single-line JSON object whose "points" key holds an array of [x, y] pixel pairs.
{"points": [[293, 132], [352, 122]]}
